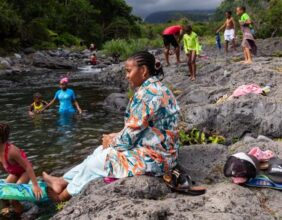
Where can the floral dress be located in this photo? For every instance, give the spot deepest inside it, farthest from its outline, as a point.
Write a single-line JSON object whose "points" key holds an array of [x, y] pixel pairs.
{"points": [[149, 141]]}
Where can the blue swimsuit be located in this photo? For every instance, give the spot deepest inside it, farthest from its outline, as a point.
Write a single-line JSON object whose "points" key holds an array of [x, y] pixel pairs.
{"points": [[66, 99]]}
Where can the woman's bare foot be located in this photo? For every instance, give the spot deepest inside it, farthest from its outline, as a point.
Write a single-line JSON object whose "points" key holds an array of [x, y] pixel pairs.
{"points": [[193, 78], [57, 184]]}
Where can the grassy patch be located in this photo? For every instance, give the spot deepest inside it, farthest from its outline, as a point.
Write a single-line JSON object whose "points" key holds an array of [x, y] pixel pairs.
{"points": [[125, 48]]}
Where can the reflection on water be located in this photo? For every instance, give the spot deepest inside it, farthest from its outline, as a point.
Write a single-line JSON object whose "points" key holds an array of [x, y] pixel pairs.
{"points": [[53, 141]]}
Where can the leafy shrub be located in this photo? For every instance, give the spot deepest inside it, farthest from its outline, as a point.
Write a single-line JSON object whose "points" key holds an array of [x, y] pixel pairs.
{"points": [[125, 48], [196, 136], [67, 40]]}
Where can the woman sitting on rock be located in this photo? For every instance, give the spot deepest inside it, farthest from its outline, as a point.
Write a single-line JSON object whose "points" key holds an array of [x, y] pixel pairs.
{"points": [[148, 143]]}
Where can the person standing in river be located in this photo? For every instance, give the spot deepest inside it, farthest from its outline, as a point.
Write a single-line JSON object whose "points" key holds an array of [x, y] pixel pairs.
{"points": [[172, 36], [66, 97], [230, 31], [248, 43]]}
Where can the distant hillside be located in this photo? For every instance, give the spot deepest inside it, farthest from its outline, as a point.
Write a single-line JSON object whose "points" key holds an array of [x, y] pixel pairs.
{"points": [[164, 16]]}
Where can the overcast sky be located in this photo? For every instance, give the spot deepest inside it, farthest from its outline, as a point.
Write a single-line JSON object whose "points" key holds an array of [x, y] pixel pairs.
{"points": [[145, 7]]}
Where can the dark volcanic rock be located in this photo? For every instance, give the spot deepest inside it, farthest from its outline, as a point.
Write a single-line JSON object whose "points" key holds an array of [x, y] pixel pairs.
{"points": [[43, 60], [116, 101], [252, 114], [148, 198]]}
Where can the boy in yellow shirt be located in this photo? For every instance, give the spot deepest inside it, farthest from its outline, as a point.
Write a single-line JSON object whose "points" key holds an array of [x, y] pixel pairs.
{"points": [[192, 49]]}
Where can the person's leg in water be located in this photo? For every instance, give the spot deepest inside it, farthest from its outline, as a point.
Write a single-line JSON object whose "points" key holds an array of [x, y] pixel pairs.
{"points": [[189, 62], [193, 63]]}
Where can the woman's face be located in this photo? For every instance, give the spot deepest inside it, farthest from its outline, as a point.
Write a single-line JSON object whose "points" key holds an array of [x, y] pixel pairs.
{"points": [[63, 86], [134, 74]]}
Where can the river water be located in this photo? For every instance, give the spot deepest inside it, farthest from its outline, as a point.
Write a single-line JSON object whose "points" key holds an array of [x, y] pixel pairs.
{"points": [[50, 140]]}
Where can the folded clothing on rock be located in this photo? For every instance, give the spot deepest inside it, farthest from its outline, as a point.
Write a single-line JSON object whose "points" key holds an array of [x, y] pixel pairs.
{"points": [[247, 89]]}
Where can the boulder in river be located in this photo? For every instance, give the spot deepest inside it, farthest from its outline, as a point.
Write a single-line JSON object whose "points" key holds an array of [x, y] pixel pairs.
{"points": [[43, 60], [117, 101]]}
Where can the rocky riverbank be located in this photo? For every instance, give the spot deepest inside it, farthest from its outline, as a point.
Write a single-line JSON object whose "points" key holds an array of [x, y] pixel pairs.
{"points": [[252, 119], [32, 61]]}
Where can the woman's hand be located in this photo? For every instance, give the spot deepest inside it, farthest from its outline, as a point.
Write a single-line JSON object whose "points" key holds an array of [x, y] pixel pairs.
{"points": [[79, 110], [108, 139], [37, 192]]}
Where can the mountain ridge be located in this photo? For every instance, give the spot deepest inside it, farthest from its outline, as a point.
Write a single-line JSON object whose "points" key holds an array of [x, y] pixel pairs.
{"points": [[165, 16]]}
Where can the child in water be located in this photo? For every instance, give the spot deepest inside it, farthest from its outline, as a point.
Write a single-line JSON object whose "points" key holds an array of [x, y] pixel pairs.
{"points": [[192, 49], [14, 161], [38, 104]]}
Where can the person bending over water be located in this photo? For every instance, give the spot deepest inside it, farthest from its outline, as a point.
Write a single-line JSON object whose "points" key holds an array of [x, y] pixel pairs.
{"points": [[230, 32], [14, 161], [148, 143], [66, 97], [38, 104]]}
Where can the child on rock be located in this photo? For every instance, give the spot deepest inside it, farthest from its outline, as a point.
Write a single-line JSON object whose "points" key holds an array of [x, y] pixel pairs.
{"points": [[192, 49]]}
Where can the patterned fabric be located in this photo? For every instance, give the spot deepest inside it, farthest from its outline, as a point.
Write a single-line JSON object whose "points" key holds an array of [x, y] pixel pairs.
{"points": [[21, 192], [149, 141]]}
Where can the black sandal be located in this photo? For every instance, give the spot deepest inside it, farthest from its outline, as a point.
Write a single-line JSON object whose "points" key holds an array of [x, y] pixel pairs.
{"points": [[182, 183]]}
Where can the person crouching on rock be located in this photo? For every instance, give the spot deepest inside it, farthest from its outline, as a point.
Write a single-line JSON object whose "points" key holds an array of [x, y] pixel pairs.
{"points": [[172, 36], [66, 97], [248, 42], [148, 143], [192, 49]]}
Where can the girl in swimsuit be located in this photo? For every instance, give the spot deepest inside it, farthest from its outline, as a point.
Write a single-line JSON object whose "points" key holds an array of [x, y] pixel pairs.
{"points": [[14, 161], [37, 105]]}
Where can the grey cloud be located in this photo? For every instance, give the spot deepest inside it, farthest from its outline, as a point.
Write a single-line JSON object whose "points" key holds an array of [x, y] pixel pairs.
{"points": [[145, 7]]}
